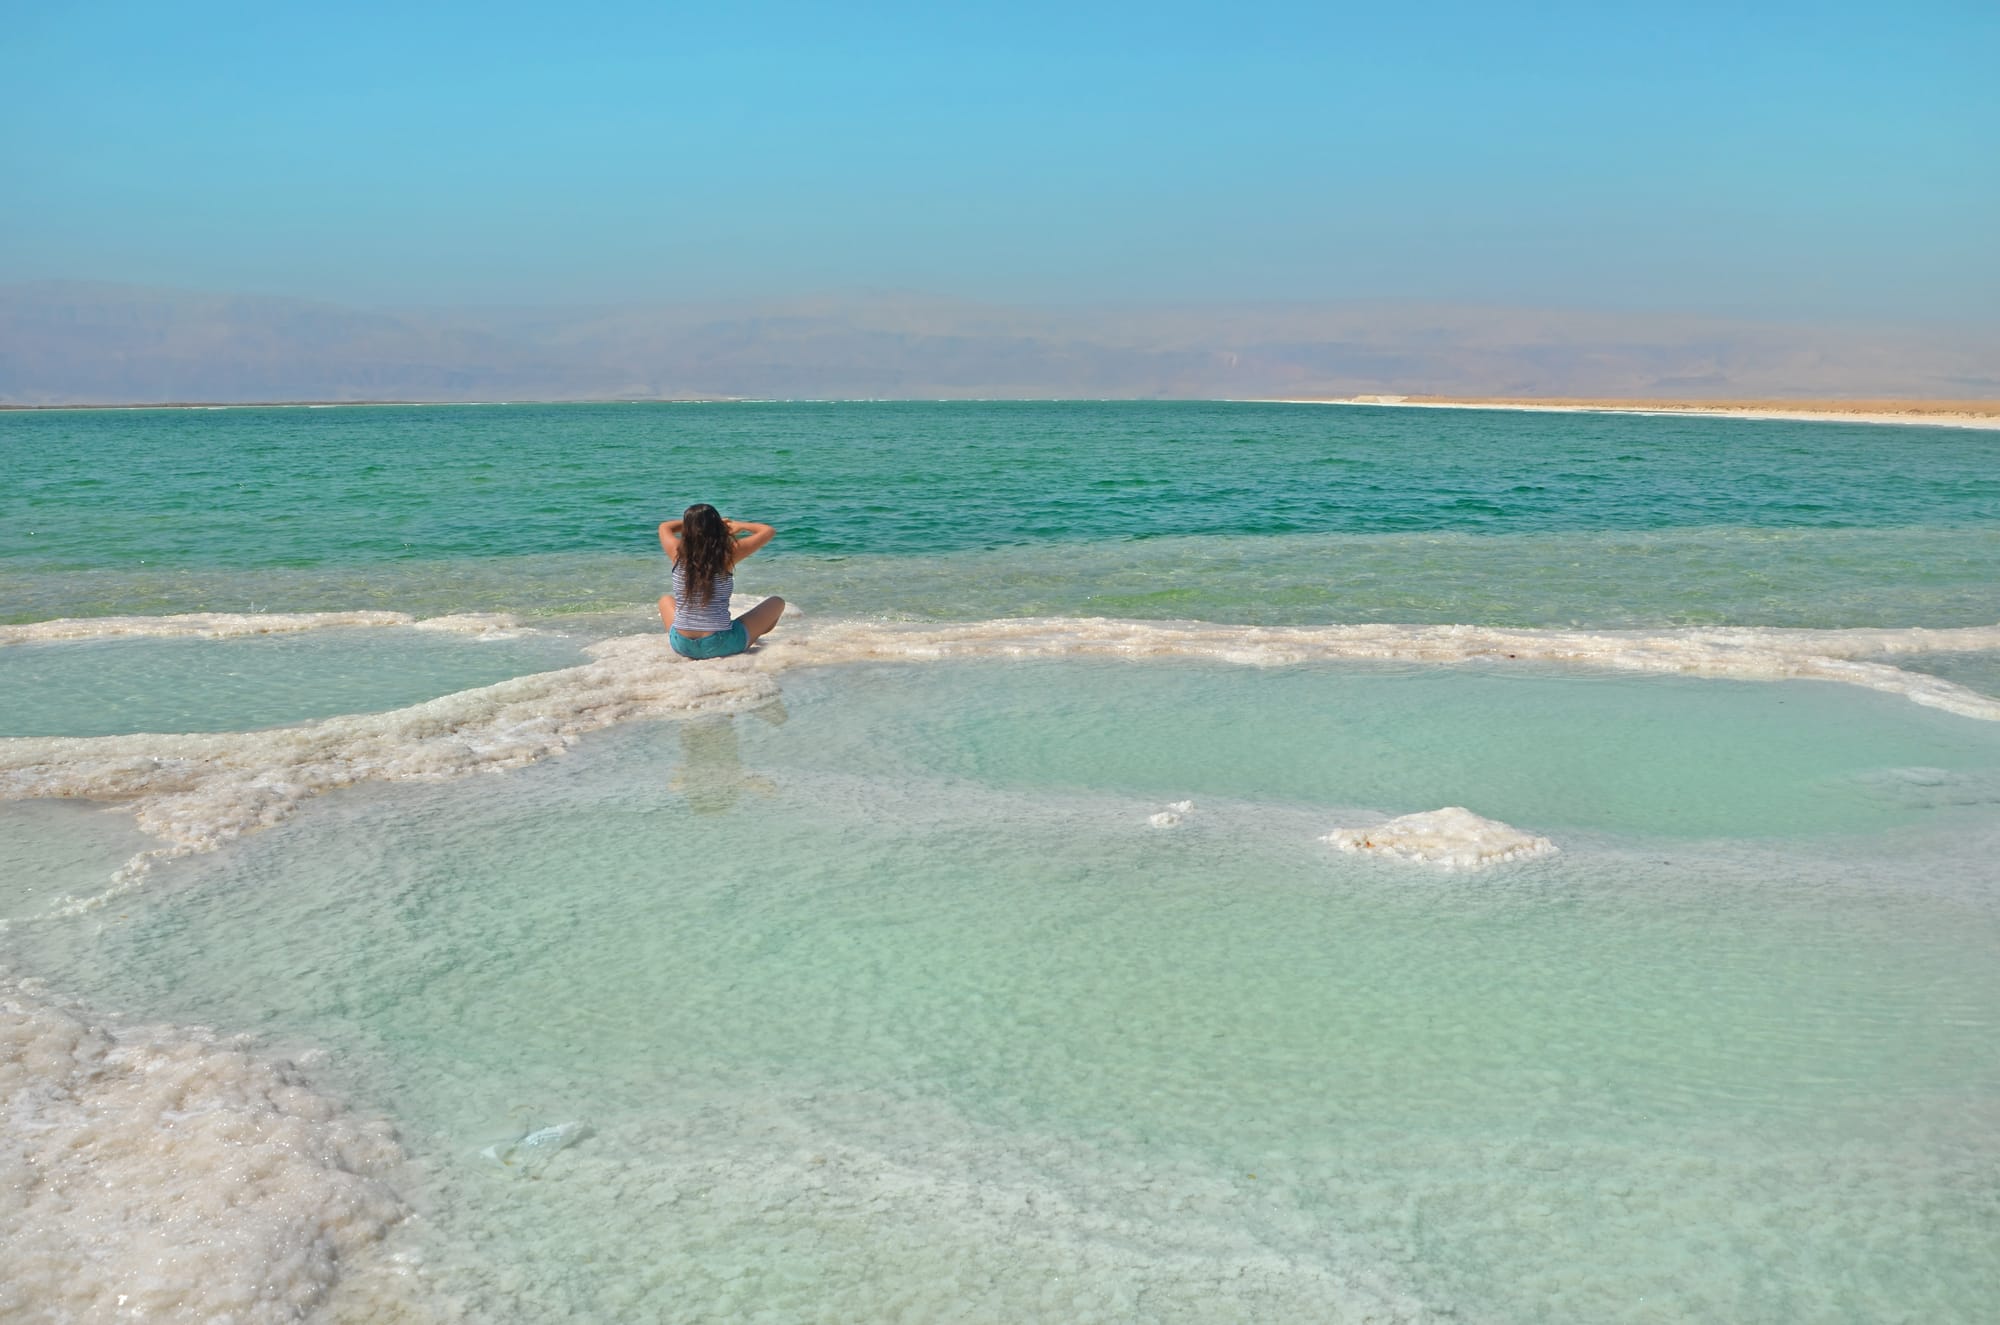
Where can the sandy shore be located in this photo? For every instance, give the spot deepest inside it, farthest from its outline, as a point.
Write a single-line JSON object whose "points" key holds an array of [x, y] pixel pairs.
{"points": [[1932, 413]]}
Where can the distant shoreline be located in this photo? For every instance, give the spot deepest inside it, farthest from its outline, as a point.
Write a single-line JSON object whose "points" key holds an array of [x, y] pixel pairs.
{"points": [[1925, 413], [361, 404], [1982, 414]]}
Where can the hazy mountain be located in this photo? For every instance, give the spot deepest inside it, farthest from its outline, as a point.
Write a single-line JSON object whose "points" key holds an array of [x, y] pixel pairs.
{"points": [[73, 342]]}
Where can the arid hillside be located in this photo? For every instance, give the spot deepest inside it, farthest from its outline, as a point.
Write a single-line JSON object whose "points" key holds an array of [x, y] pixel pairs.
{"points": [[77, 342]]}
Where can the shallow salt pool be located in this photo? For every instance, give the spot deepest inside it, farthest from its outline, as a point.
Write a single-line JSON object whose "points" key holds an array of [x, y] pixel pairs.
{"points": [[98, 687], [888, 1001]]}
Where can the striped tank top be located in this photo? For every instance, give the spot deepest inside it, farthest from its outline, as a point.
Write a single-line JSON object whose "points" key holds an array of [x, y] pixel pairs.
{"points": [[711, 615]]}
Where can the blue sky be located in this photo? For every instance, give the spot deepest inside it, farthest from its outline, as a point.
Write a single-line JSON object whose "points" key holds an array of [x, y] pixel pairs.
{"points": [[1782, 160]]}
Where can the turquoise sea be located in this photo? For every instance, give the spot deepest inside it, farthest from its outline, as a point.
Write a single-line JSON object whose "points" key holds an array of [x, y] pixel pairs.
{"points": [[395, 930]]}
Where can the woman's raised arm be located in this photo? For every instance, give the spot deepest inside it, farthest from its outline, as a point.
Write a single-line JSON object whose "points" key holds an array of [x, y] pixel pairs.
{"points": [[749, 536], [670, 538]]}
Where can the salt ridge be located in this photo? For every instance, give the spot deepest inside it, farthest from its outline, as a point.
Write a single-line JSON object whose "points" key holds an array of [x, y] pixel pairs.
{"points": [[195, 792], [1742, 653]]}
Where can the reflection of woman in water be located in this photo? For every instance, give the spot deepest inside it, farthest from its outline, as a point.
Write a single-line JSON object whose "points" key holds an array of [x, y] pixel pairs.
{"points": [[705, 548], [711, 773]]}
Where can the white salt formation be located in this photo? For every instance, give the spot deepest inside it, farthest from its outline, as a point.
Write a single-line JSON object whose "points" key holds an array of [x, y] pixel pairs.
{"points": [[165, 1174], [1737, 653], [198, 791], [1171, 816], [1452, 839]]}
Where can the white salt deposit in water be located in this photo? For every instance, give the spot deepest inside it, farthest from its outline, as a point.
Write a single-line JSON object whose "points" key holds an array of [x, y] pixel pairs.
{"points": [[1453, 838], [197, 791], [1748, 653], [1743, 653], [168, 1174]]}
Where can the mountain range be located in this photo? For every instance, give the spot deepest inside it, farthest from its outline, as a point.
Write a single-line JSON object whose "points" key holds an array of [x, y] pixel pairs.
{"points": [[75, 342]]}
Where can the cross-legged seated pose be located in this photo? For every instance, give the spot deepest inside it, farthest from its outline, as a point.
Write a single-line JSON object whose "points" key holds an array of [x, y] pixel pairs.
{"points": [[705, 549]]}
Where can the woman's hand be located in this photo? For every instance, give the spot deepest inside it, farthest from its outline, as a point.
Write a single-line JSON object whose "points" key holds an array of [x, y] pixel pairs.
{"points": [[749, 536]]}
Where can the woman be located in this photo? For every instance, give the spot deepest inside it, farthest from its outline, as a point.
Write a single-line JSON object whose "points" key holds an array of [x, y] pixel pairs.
{"points": [[705, 548]]}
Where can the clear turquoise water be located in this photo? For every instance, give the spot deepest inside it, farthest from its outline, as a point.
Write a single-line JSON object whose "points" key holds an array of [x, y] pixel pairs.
{"points": [[100, 687], [1216, 511], [886, 1001]]}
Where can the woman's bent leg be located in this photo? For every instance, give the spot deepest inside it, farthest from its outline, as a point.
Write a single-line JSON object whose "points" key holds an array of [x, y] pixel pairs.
{"points": [[758, 620], [667, 611]]}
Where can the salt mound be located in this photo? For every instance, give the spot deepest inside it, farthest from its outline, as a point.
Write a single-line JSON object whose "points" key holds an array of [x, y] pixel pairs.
{"points": [[1452, 838]]}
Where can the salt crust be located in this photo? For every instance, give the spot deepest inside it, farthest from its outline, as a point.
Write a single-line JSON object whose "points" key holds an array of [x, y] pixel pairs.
{"points": [[1738, 653], [1453, 838], [168, 1174], [198, 791], [195, 792]]}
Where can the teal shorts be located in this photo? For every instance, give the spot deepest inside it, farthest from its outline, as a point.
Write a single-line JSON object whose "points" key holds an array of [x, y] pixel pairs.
{"points": [[719, 645]]}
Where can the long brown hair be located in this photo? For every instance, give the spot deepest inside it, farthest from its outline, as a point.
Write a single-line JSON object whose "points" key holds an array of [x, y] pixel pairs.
{"points": [[707, 549]]}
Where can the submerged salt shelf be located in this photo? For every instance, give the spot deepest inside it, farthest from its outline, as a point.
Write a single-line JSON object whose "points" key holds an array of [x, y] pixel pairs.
{"points": [[872, 992]]}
